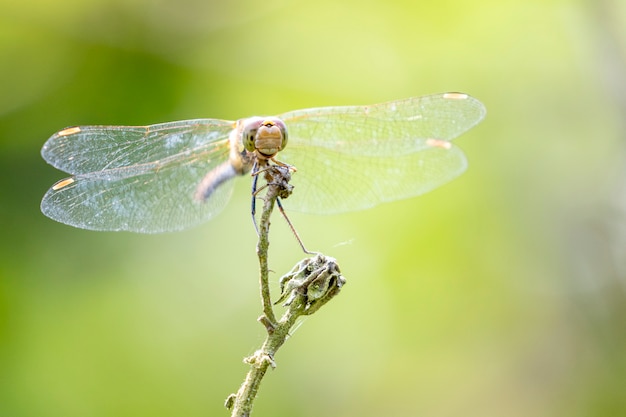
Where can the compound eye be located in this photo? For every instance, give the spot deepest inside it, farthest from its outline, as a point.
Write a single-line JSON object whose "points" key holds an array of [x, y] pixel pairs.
{"points": [[248, 133], [248, 140]]}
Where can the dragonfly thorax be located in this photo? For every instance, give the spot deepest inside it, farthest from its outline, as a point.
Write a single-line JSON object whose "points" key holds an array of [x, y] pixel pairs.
{"points": [[265, 136]]}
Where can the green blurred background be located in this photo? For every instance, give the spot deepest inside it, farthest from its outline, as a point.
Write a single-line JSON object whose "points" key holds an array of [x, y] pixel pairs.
{"points": [[502, 293]]}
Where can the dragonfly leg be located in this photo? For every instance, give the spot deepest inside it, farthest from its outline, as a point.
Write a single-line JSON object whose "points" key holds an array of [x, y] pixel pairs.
{"points": [[293, 229], [282, 164], [261, 188], [255, 172], [255, 190]]}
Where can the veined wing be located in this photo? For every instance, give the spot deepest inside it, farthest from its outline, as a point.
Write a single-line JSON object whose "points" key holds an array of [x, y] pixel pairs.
{"points": [[85, 149], [352, 158], [140, 179], [386, 129]]}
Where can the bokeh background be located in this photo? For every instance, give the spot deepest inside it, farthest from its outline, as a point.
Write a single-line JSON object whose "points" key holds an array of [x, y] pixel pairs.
{"points": [[502, 293]]}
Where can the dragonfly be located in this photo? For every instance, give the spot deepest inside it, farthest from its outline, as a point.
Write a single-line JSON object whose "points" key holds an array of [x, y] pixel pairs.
{"points": [[173, 176]]}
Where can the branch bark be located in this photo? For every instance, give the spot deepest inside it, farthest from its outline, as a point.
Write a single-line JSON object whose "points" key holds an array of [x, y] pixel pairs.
{"points": [[310, 284]]}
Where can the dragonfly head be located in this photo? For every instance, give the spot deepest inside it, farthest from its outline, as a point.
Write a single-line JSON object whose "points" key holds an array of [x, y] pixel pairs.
{"points": [[266, 136]]}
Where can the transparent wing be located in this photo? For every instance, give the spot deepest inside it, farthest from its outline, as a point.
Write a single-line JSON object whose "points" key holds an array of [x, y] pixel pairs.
{"points": [[328, 182], [352, 158], [140, 179], [85, 149]]}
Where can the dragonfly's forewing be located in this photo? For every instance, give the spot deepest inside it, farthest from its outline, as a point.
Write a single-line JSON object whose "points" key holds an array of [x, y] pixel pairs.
{"points": [[86, 149], [352, 158], [140, 179]]}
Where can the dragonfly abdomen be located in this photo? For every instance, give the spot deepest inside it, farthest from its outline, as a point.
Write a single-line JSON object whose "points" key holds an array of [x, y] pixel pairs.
{"points": [[216, 177]]}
